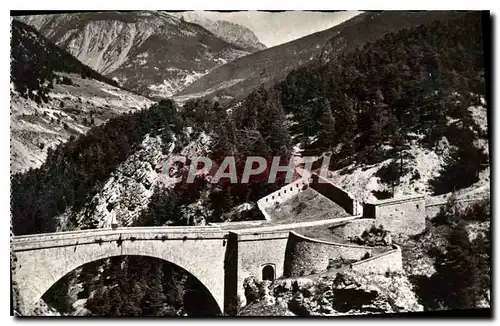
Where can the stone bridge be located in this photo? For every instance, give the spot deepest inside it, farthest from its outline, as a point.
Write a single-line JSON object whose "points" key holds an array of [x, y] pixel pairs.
{"points": [[220, 259], [43, 259]]}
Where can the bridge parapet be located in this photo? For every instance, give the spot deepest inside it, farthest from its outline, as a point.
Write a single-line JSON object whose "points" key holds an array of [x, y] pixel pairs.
{"points": [[38, 241]]}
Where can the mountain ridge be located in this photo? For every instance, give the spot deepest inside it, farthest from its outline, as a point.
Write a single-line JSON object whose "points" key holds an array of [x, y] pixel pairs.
{"points": [[239, 77], [55, 97], [140, 50]]}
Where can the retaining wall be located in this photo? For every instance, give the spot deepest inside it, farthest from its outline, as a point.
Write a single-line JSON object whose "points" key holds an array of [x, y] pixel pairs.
{"points": [[305, 256], [388, 261], [336, 194], [355, 228]]}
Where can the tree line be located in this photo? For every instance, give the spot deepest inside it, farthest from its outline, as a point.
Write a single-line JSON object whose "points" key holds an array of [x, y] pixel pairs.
{"points": [[463, 268]]}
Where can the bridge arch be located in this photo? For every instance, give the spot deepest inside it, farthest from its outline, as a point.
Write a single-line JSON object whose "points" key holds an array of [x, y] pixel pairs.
{"points": [[43, 260], [210, 305]]}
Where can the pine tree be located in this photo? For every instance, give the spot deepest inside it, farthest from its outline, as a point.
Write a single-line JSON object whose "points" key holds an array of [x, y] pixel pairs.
{"points": [[326, 127], [272, 123], [462, 272], [345, 123], [227, 198], [154, 298], [461, 168]]}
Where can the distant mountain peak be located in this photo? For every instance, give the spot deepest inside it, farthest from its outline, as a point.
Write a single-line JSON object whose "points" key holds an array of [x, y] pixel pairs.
{"points": [[228, 31]]}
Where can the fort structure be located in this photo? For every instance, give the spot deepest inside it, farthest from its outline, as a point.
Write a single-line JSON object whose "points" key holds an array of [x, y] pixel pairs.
{"points": [[404, 215], [281, 195], [219, 260], [336, 194], [221, 257], [399, 215]]}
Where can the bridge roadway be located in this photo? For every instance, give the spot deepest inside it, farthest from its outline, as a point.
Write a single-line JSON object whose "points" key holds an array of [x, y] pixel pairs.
{"points": [[42, 259]]}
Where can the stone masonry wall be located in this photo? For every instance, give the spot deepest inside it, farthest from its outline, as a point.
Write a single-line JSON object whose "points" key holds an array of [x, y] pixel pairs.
{"points": [[336, 194], [305, 256], [389, 261], [256, 250], [402, 215], [282, 195], [355, 228], [43, 259]]}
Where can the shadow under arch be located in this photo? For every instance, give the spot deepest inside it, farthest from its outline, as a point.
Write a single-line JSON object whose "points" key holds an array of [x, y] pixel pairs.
{"points": [[197, 299]]}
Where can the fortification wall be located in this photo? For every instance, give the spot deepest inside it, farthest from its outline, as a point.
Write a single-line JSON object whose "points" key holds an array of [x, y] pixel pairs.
{"points": [[257, 250], [336, 194], [389, 261], [281, 195], [400, 215], [355, 228], [305, 256]]}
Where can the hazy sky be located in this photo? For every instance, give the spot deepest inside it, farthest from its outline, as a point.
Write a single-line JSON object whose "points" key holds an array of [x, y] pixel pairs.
{"points": [[273, 28]]}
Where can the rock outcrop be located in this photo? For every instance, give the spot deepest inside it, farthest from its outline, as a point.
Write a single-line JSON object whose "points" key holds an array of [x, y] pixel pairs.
{"points": [[229, 32], [128, 191], [346, 293]]}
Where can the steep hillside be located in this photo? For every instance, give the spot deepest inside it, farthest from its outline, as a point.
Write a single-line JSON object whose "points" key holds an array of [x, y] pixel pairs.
{"points": [[153, 53], [398, 115], [54, 97], [402, 115], [116, 169], [230, 32], [238, 78]]}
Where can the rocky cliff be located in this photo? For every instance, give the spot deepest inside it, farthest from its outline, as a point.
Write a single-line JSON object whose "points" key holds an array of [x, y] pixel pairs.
{"points": [[128, 191]]}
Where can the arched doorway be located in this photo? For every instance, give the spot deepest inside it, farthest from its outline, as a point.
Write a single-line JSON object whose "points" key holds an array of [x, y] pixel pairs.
{"points": [[268, 273]]}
